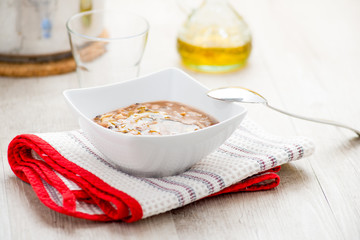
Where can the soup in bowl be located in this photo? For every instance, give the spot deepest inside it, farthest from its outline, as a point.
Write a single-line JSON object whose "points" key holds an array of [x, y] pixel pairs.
{"points": [[156, 125]]}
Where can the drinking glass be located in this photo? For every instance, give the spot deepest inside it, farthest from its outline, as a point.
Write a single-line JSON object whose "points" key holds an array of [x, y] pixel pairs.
{"points": [[107, 45]]}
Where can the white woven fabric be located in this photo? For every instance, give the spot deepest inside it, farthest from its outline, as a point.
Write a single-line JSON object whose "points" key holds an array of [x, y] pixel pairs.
{"points": [[247, 152]]}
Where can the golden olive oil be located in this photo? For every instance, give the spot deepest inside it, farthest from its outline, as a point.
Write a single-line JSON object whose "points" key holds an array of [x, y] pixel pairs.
{"points": [[213, 59]]}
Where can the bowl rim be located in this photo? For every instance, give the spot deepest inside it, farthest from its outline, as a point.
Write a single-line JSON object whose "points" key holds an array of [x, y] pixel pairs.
{"points": [[130, 136]]}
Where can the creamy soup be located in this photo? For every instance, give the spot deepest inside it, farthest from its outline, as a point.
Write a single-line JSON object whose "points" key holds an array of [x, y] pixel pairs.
{"points": [[155, 118]]}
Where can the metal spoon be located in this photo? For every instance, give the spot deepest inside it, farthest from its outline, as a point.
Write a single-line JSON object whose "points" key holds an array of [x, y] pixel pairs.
{"points": [[239, 94]]}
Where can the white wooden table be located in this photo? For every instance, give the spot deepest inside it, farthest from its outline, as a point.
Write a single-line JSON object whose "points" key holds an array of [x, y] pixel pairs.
{"points": [[305, 59]]}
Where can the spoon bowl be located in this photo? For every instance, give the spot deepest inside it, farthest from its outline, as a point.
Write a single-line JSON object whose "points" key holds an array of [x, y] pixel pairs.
{"points": [[236, 94]]}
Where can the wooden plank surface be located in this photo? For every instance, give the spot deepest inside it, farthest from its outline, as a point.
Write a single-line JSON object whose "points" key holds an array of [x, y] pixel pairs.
{"points": [[305, 59]]}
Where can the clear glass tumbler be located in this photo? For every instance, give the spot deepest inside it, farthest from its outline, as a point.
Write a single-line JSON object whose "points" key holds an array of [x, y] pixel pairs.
{"points": [[107, 45]]}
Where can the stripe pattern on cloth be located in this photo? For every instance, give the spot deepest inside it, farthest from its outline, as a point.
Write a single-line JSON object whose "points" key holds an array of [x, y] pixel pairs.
{"points": [[71, 176]]}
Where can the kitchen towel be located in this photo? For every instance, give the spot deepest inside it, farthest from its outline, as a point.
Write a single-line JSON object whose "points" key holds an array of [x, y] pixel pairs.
{"points": [[71, 176]]}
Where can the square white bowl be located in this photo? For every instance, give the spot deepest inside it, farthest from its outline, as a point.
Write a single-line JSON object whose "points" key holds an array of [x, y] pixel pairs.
{"points": [[154, 156]]}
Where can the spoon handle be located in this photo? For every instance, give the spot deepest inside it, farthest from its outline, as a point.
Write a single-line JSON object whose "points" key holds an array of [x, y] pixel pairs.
{"points": [[324, 121]]}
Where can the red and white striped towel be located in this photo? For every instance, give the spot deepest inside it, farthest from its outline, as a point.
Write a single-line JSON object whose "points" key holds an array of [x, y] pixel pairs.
{"points": [[71, 176]]}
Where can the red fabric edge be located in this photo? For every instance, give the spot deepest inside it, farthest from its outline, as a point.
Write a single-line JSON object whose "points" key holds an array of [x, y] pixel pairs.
{"points": [[32, 171], [253, 183]]}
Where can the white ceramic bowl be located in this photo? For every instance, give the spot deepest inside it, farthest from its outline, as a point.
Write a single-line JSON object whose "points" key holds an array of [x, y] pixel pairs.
{"points": [[154, 156]]}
